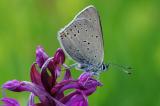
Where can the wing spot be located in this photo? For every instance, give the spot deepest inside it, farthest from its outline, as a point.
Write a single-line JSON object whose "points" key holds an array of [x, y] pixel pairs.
{"points": [[87, 48], [74, 34], [84, 41], [75, 26], [86, 30], [88, 43], [96, 36], [95, 56], [78, 31], [62, 34]]}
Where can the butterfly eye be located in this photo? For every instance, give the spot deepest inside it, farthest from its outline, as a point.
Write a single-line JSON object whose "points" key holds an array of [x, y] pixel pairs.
{"points": [[103, 67]]}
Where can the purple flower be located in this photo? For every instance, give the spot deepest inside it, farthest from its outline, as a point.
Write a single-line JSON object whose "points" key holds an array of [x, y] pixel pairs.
{"points": [[45, 86], [10, 102]]}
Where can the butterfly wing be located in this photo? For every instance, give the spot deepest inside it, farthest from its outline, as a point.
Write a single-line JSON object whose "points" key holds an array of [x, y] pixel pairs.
{"points": [[91, 14], [82, 38]]}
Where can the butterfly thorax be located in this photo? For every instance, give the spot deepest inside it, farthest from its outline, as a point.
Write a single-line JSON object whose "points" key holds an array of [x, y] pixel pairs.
{"points": [[93, 68]]}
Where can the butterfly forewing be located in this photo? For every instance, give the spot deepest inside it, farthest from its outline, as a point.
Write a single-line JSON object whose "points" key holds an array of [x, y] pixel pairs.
{"points": [[82, 38]]}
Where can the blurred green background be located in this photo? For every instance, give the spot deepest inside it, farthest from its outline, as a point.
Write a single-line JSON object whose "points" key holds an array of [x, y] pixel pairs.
{"points": [[131, 31]]}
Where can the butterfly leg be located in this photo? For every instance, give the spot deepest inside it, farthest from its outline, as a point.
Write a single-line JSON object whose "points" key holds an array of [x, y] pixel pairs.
{"points": [[71, 66]]}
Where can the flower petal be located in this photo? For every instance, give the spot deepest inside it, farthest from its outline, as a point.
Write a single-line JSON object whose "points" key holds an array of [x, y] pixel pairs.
{"points": [[55, 64], [59, 56], [41, 56], [31, 100], [59, 89], [90, 84], [39, 104], [14, 85], [70, 85], [89, 91], [53, 67], [67, 75], [48, 81], [19, 86], [86, 84], [35, 75], [77, 98], [10, 102], [85, 76]]}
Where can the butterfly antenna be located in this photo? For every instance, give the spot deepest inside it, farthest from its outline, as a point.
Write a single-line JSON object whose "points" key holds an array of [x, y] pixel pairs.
{"points": [[123, 68]]}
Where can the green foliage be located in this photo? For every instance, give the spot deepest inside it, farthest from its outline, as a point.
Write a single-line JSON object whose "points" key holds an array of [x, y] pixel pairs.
{"points": [[131, 32]]}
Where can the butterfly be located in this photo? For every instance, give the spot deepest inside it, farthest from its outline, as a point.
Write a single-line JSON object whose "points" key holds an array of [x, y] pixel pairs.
{"points": [[82, 40]]}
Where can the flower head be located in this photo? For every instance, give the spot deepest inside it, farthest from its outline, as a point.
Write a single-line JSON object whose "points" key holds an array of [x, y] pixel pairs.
{"points": [[45, 86]]}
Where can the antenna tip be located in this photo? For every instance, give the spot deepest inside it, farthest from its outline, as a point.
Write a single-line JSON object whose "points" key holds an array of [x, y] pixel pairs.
{"points": [[129, 73]]}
